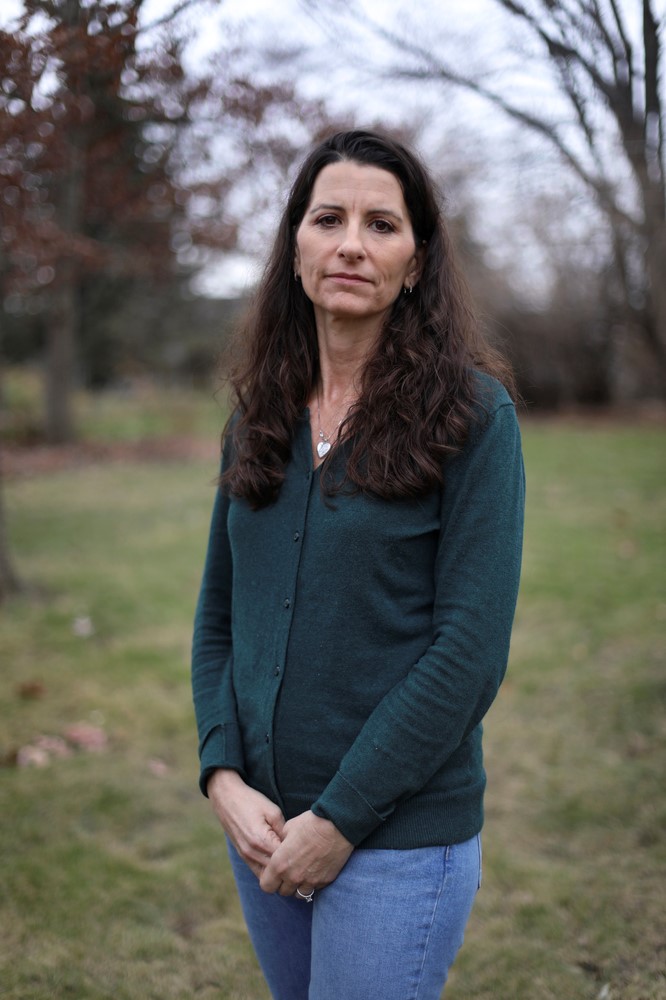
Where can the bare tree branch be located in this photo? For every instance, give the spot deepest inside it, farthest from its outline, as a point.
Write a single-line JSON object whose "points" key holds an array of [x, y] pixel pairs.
{"points": [[560, 50], [654, 142], [589, 46], [436, 69], [169, 16], [588, 22], [566, 17], [576, 22], [626, 44], [578, 103], [610, 42]]}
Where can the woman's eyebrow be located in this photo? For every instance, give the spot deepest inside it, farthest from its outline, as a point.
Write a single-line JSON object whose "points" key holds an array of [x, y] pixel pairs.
{"points": [[324, 206]]}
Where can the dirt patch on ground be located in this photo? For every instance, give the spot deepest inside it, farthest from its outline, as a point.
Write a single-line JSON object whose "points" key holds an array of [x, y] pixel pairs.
{"points": [[37, 460], [20, 460], [652, 413]]}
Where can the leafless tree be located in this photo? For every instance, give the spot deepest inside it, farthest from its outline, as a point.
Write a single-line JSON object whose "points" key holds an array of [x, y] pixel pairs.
{"points": [[607, 60]]}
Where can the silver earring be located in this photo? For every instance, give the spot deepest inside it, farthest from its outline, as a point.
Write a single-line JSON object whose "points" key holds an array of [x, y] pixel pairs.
{"points": [[407, 289], [297, 276]]}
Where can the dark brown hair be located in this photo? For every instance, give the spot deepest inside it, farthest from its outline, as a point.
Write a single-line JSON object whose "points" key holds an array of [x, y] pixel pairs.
{"points": [[418, 389]]}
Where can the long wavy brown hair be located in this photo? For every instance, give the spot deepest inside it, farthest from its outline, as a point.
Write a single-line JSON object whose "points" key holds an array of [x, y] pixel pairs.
{"points": [[418, 392]]}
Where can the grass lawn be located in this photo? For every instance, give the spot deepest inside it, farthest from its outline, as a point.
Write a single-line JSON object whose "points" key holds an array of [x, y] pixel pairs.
{"points": [[113, 878]]}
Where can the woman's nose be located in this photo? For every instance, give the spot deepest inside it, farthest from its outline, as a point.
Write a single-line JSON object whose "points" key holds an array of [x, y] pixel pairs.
{"points": [[351, 245]]}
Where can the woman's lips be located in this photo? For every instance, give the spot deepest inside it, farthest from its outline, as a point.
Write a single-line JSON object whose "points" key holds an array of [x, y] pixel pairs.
{"points": [[352, 278]]}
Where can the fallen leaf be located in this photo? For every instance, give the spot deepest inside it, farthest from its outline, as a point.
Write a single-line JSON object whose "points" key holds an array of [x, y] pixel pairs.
{"points": [[55, 746], [83, 627], [30, 690], [158, 767], [86, 737], [32, 756]]}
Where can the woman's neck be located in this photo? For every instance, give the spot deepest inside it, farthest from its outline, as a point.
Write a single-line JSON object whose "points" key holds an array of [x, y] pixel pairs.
{"points": [[343, 351]]}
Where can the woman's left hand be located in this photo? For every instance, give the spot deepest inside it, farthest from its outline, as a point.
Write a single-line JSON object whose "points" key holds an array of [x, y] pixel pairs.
{"points": [[312, 853]]}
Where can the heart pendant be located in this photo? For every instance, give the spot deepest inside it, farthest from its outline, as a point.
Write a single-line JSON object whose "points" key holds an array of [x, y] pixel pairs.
{"points": [[323, 448]]}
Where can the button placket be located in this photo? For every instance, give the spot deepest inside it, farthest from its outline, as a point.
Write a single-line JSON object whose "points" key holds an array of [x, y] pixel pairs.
{"points": [[291, 569]]}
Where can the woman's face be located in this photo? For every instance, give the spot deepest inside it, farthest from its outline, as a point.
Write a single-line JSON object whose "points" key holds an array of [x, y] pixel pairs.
{"points": [[355, 247]]}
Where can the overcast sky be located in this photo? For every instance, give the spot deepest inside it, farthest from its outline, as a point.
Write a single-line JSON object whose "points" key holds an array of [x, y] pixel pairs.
{"points": [[505, 170], [341, 64]]}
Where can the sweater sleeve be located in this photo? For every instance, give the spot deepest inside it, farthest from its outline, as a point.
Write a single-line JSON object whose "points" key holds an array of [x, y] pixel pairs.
{"points": [[424, 718], [220, 742]]}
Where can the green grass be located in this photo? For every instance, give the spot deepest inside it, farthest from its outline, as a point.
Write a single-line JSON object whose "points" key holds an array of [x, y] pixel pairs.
{"points": [[114, 881], [140, 411]]}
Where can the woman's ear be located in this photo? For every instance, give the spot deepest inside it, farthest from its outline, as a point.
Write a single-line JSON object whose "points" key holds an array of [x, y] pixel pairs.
{"points": [[416, 267], [297, 263]]}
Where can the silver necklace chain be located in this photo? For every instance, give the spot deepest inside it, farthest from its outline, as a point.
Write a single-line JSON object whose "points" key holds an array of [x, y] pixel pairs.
{"points": [[324, 444]]}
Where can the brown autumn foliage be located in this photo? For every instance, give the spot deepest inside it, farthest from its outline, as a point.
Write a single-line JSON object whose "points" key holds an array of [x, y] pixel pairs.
{"points": [[118, 166], [117, 169]]}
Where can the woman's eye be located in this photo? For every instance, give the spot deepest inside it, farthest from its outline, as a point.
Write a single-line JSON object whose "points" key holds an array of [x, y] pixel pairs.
{"points": [[327, 221], [382, 226]]}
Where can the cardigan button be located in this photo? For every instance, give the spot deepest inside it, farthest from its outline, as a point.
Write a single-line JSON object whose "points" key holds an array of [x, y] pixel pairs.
{"points": [[287, 602], [277, 670], [267, 738], [297, 535]]}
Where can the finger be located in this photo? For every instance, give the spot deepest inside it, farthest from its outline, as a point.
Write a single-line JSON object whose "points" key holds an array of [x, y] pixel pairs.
{"points": [[259, 837], [253, 855], [276, 822], [258, 860], [270, 840], [262, 841], [269, 881]]}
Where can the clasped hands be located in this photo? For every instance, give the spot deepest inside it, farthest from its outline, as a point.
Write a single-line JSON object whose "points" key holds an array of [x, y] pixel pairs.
{"points": [[303, 853]]}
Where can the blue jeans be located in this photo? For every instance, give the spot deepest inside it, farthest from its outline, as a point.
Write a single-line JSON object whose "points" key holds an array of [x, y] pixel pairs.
{"points": [[388, 928]]}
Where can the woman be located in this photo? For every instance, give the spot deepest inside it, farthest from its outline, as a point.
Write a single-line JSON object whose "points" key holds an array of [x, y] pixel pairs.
{"points": [[360, 584]]}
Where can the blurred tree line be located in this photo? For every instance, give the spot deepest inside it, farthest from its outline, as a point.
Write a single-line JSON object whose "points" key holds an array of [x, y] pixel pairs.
{"points": [[117, 172], [124, 170], [120, 169]]}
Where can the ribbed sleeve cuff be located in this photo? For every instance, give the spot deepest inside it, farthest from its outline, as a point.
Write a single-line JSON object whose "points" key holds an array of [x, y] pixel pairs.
{"points": [[346, 808], [220, 747]]}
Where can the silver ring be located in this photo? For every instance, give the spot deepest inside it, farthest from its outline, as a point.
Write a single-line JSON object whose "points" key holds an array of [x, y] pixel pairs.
{"points": [[308, 898]]}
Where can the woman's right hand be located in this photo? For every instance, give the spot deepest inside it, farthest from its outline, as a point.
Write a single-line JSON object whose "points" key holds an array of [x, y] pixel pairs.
{"points": [[251, 821]]}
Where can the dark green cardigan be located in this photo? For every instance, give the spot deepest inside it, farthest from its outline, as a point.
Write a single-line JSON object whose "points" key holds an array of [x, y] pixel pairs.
{"points": [[346, 650]]}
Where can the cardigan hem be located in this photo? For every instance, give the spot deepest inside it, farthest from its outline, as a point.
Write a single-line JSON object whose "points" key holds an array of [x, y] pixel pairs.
{"points": [[422, 821]]}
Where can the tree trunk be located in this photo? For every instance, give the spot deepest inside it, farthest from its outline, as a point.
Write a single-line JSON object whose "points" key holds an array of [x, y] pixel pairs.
{"points": [[62, 317], [60, 362], [655, 259], [9, 581]]}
